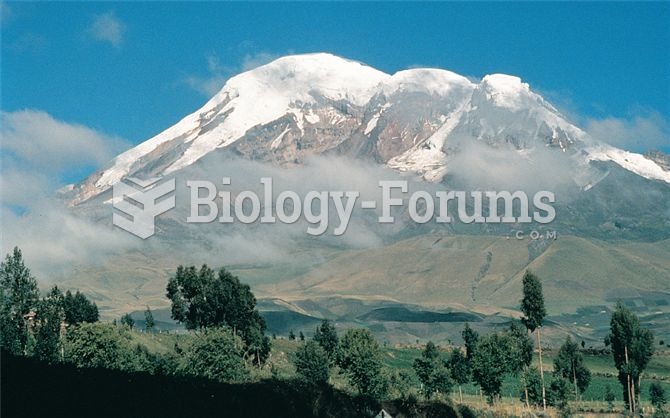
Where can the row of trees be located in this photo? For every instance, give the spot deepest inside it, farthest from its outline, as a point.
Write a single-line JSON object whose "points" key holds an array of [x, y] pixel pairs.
{"points": [[487, 360], [229, 336], [357, 354], [33, 326]]}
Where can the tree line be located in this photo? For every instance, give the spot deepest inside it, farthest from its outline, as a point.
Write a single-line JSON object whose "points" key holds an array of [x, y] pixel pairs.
{"points": [[228, 339]]}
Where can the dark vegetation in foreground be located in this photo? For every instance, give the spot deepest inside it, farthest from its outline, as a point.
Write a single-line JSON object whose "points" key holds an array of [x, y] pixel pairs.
{"points": [[35, 389], [32, 388]]}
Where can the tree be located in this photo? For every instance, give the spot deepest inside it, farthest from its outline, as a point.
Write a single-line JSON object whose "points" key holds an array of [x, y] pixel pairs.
{"points": [[216, 354], [522, 351], [493, 359], [99, 345], [79, 309], [149, 322], [460, 369], [521, 346], [19, 296], [201, 298], [302, 336], [559, 393], [359, 356], [531, 383], [257, 344], [569, 364], [50, 315], [470, 338], [532, 306], [326, 336], [311, 362], [128, 321], [632, 348], [400, 381], [433, 372], [657, 396], [291, 335]]}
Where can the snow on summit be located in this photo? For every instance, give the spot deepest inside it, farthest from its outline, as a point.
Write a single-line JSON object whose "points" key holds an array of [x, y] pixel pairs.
{"points": [[410, 116]]}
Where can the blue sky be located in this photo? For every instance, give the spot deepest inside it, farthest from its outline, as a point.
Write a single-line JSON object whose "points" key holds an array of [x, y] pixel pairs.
{"points": [[130, 70]]}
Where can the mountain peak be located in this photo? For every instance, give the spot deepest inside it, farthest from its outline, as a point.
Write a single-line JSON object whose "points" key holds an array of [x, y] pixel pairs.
{"points": [[506, 90], [296, 77], [306, 104]]}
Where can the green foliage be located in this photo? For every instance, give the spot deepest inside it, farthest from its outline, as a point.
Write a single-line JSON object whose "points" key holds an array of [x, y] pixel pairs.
{"points": [[460, 369], [628, 337], [302, 336], [163, 364], [521, 347], [433, 372], [204, 299], [494, 358], [291, 335], [657, 395], [532, 304], [359, 356], [18, 297], [400, 382], [470, 338], [50, 315], [257, 344], [216, 354], [311, 362], [569, 364], [326, 336], [79, 309], [99, 345], [128, 321], [559, 393], [531, 382], [149, 322]]}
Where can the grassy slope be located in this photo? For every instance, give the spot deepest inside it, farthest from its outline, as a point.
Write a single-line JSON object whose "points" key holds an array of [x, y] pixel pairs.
{"points": [[432, 270], [435, 271], [443, 271]]}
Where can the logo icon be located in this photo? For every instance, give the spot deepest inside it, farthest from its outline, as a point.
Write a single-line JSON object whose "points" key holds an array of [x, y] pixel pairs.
{"points": [[138, 201]]}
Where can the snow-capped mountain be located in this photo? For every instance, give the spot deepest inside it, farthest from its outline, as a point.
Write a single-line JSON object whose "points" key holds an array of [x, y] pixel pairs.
{"points": [[414, 121]]}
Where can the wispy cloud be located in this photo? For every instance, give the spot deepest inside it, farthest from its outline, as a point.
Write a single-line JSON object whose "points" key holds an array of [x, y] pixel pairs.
{"points": [[640, 132], [217, 73], [41, 154], [5, 12], [37, 154], [210, 84], [34, 139], [108, 28], [255, 60]]}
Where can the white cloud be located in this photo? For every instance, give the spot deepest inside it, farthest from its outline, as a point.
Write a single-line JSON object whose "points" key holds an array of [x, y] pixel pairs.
{"points": [[108, 28], [34, 139], [36, 153], [638, 133]]}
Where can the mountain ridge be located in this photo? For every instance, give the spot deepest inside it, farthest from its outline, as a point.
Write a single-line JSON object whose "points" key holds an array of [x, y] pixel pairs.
{"points": [[415, 121]]}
